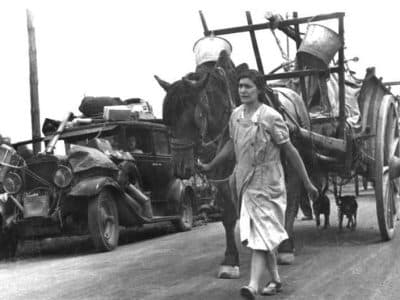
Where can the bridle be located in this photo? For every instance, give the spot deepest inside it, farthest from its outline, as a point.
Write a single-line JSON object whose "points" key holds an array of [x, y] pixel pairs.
{"points": [[204, 109], [183, 146]]}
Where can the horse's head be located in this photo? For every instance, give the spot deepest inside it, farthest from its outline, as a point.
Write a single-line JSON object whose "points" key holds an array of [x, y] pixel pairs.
{"points": [[196, 109]]}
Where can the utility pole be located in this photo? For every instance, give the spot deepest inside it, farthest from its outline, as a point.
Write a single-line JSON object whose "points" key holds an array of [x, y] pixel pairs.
{"points": [[33, 80]]}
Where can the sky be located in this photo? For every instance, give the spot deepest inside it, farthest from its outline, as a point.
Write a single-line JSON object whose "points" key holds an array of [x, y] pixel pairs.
{"points": [[114, 48]]}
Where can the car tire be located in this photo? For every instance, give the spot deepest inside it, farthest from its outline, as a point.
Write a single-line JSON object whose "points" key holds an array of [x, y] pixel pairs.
{"points": [[185, 221], [8, 244], [103, 221]]}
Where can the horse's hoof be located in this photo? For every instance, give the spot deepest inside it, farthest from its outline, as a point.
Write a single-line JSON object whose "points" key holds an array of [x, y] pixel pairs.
{"points": [[285, 258], [229, 272]]}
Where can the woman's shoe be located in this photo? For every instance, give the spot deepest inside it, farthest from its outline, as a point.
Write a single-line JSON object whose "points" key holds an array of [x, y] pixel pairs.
{"points": [[272, 288], [248, 292]]}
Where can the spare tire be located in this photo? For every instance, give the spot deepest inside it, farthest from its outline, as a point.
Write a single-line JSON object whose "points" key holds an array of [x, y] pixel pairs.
{"points": [[94, 106]]}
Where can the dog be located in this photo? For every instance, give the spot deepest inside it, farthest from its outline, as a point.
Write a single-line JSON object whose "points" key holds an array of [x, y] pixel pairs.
{"points": [[347, 206], [321, 206]]}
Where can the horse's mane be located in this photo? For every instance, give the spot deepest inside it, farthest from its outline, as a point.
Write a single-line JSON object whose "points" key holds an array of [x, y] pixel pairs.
{"points": [[175, 101]]}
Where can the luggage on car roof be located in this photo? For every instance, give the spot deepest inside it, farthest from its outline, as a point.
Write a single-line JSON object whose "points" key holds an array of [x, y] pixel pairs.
{"points": [[94, 106]]}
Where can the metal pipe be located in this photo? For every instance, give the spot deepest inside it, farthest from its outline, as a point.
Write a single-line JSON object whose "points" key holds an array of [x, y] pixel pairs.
{"points": [[16, 202]]}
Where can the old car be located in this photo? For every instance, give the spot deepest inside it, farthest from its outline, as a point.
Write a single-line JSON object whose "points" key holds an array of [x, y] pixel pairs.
{"points": [[112, 174]]}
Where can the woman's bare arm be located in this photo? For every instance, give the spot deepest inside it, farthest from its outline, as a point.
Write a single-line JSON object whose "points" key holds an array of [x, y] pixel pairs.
{"points": [[226, 152]]}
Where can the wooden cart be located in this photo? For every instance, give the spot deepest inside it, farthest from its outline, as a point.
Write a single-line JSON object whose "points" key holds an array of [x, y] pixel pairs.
{"points": [[371, 151]]}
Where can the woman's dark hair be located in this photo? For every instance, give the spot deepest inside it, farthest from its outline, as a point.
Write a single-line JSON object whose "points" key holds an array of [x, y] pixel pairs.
{"points": [[258, 79]]}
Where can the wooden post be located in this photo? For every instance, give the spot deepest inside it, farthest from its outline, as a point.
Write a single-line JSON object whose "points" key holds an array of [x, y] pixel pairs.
{"points": [[299, 62], [342, 114], [287, 40], [254, 43], [204, 23], [33, 80]]}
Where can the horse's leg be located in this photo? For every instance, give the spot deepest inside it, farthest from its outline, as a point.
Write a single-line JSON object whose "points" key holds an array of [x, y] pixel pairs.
{"points": [[295, 191], [229, 268]]}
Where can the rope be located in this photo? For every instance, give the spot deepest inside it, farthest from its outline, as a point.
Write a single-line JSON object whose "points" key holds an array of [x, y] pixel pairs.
{"points": [[278, 42]]}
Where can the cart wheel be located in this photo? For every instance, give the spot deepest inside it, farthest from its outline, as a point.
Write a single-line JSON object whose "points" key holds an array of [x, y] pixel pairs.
{"points": [[103, 221], [387, 146], [185, 221]]}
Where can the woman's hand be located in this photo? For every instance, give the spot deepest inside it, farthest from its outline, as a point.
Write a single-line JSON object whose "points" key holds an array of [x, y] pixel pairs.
{"points": [[226, 152], [312, 191]]}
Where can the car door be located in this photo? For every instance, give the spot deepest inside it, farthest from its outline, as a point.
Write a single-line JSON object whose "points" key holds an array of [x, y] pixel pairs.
{"points": [[162, 163], [139, 144]]}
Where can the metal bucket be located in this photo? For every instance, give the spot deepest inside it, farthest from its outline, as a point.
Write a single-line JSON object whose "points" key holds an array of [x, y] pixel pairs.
{"points": [[208, 48], [319, 46]]}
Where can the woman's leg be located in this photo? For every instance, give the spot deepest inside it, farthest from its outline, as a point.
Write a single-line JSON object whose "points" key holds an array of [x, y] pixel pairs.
{"points": [[258, 267], [273, 266]]}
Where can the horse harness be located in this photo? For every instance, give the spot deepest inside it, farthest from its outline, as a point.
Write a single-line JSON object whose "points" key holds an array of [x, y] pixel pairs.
{"points": [[204, 110]]}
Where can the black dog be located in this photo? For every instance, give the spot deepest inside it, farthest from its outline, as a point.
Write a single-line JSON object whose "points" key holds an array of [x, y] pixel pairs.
{"points": [[347, 206], [322, 206]]}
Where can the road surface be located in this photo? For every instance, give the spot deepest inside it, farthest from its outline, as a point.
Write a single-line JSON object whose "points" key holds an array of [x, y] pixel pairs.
{"points": [[156, 263]]}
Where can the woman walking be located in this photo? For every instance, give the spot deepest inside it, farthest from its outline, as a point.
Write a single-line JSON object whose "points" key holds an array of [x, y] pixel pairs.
{"points": [[258, 134]]}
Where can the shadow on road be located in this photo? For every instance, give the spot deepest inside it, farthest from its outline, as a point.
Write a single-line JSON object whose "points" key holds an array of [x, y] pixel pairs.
{"points": [[82, 245]]}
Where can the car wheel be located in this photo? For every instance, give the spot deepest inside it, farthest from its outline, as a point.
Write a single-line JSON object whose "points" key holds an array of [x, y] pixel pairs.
{"points": [[185, 221], [103, 221], [8, 244]]}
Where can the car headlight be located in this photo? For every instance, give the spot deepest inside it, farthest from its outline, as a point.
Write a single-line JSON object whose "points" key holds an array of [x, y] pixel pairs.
{"points": [[63, 177], [12, 182]]}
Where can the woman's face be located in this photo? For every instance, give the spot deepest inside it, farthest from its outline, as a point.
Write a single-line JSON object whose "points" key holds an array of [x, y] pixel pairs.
{"points": [[248, 91]]}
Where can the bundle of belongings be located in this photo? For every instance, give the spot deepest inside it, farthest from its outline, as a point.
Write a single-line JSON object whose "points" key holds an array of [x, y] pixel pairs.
{"points": [[317, 50], [114, 109], [100, 109]]}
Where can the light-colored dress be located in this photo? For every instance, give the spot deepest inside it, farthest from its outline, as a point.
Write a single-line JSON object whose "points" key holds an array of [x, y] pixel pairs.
{"points": [[258, 176]]}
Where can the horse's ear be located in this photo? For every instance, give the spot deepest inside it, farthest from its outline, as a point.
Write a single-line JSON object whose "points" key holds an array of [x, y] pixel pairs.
{"points": [[241, 68], [165, 85], [199, 84]]}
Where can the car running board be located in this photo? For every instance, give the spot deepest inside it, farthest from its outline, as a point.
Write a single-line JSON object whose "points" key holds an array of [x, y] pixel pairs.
{"points": [[159, 219], [135, 207]]}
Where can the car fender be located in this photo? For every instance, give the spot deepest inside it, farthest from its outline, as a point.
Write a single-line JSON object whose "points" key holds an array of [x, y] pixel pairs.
{"points": [[92, 186]]}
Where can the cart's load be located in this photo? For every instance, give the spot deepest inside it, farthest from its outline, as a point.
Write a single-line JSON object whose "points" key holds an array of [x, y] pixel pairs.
{"points": [[208, 48], [328, 106], [352, 91], [317, 50], [94, 106]]}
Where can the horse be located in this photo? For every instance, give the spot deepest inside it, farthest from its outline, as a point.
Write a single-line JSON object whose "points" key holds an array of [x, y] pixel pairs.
{"points": [[197, 109]]}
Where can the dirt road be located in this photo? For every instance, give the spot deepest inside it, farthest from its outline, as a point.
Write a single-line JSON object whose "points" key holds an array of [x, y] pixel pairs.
{"points": [[155, 264]]}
